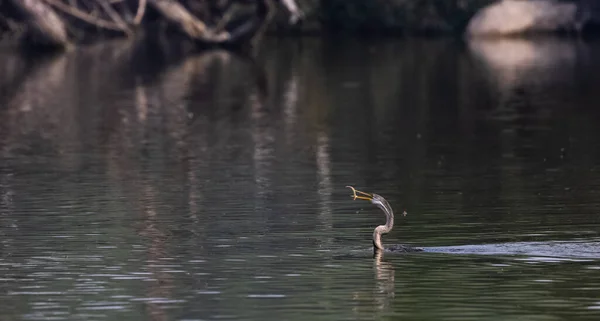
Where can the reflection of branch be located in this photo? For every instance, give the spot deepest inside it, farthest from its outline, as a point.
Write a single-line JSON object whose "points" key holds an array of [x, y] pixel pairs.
{"points": [[84, 16], [141, 101]]}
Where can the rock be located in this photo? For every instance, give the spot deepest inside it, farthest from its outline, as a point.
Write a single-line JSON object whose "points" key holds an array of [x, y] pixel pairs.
{"points": [[517, 17]]}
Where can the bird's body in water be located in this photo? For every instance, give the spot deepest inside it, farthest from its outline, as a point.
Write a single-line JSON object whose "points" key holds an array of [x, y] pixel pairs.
{"points": [[389, 222]]}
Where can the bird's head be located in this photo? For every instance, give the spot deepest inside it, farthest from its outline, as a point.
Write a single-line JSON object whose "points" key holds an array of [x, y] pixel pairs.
{"points": [[373, 198]]}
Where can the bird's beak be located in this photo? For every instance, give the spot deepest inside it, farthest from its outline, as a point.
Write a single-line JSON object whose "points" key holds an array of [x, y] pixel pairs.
{"points": [[363, 196]]}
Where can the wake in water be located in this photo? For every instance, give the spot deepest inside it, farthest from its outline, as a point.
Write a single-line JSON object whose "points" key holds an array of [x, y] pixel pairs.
{"points": [[554, 249]]}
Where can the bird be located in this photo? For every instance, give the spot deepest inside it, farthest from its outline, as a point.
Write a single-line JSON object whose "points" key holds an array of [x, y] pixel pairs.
{"points": [[389, 222]]}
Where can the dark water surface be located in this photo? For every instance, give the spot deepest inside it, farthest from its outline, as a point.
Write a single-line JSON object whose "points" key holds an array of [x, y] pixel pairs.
{"points": [[136, 185]]}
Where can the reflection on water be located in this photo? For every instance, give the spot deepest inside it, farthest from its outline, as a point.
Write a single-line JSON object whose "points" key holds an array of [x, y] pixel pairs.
{"points": [[515, 62], [141, 186]]}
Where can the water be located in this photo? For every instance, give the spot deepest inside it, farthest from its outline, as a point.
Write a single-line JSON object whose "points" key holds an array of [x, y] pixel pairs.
{"points": [[152, 187]]}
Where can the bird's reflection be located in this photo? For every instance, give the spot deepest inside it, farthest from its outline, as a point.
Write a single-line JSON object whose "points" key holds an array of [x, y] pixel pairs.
{"points": [[384, 281], [379, 298]]}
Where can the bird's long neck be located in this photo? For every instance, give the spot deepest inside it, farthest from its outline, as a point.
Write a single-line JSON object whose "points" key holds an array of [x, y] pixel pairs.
{"points": [[383, 229]]}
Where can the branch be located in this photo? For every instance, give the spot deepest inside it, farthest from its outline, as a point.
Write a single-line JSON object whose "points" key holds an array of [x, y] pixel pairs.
{"points": [[115, 16], [230, 10], [84, 16], [44, 22], [295, 13], [265, 12], [140, 12], [188, 23], [253, 27]]}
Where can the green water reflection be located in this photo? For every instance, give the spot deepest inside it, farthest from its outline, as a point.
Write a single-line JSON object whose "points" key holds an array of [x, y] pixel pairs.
{"points": [[136, 186]]}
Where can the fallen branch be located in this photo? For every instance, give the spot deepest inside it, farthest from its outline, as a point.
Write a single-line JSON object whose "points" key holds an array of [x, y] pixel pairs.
{"points": [[253, 27], [115, 16], [141, 10], [187, 23], [295, 12], [50, 19], [46, 25], [84, 16], [266, 13]]}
